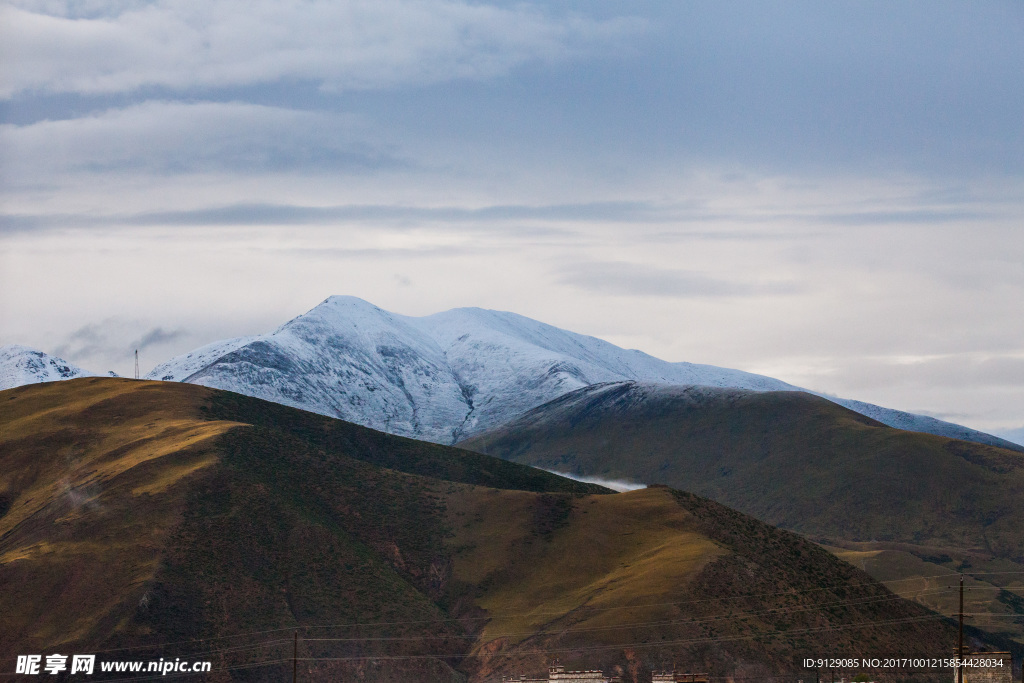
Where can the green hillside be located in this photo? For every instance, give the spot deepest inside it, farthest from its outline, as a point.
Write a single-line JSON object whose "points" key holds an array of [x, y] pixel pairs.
{"points": [[142, 520], [800, 462]]}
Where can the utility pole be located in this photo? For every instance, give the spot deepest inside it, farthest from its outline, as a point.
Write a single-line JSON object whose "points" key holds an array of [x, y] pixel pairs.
{"points": [[136, 363], [295, 658], [960, 643]]}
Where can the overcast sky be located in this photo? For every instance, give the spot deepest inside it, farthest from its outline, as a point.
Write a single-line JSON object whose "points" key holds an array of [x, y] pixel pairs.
{"points": [[831, 193]]}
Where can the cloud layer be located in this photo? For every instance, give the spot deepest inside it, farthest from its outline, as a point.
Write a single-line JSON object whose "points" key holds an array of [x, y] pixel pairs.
{"points": [[162, 138], [119, 47]]}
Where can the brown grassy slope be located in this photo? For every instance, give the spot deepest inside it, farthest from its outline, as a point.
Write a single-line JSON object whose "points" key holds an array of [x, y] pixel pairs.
{"points": [[131, 514], [796, 461], [144, 513], [87, 483], [639, 580], [994, 587]]}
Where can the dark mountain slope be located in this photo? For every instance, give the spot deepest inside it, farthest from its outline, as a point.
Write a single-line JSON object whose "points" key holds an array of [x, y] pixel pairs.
{"points": [[645, 579], [145, 520], [789, 458], [793, 460]]}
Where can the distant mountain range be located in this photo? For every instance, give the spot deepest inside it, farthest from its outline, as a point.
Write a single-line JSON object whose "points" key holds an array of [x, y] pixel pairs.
{"points": [[448, 376], [20, 365], [145, 520]]}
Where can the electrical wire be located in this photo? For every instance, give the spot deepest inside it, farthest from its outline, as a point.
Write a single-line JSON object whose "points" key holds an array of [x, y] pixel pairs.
{"points": [[636, 624], [840, 586], [662, 643]]}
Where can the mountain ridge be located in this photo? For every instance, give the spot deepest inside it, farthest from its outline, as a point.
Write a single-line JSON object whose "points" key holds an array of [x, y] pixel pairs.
{"points": [[685, 436], [438, 377], [447, 376], [496, 365]]}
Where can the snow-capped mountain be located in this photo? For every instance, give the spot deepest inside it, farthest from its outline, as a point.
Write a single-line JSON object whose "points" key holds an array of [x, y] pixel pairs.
{"points": [[439, 378], [21, 365], [447, 376]]}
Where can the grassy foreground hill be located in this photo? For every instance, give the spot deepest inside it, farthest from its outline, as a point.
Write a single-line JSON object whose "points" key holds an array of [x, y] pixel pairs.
{"points": [[899, 504], [141, 520]]}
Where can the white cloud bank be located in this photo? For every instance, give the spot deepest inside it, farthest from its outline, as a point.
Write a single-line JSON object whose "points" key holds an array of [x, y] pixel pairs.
{"points": [[115, 47]]}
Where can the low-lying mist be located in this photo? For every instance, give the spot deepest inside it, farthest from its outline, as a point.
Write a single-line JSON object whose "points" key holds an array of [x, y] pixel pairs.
{"points": [[613, 484]]}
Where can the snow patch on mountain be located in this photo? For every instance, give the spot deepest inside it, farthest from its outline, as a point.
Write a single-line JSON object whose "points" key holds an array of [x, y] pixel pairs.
{"points": [[181, 368], [440, 378], [346, 358], [20, 365], [508, 363]]}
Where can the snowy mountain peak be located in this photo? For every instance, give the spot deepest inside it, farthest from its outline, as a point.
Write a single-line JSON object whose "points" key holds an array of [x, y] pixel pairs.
{"points": [[440, 377], [450, 375], [346, 308], [346, 358], [20, 365]]}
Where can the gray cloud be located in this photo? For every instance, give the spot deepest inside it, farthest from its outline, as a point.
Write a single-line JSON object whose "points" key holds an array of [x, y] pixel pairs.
{"points": [[523, 218], [263, 214], [157, 336], [100, 345], [341, 44], [84, 342], [907, 216], [633, 279], [422, 254], [632, 212], [164, 137], [948, 372]]}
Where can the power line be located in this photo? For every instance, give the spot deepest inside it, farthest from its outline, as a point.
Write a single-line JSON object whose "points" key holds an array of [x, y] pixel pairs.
{"points": [[746, 596], [249, 665], [624, 625], [541, 651], [597, 648], [662, 643], [636, 624], [780, 611]]}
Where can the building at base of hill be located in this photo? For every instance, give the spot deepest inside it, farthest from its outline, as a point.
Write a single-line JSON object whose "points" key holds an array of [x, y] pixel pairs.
{"points": [[557, 672], [676, 677], [987, 667]]}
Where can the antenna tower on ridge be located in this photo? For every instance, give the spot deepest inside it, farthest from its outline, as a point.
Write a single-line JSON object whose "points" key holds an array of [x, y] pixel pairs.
{"points": [[136, 363]]}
